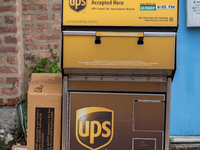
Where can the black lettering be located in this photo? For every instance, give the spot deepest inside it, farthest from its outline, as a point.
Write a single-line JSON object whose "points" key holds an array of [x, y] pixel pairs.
{"points": [[115, 2], [102, 3]]}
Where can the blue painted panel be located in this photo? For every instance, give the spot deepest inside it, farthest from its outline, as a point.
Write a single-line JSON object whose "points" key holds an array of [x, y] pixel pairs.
{"points": [[185, 105]]}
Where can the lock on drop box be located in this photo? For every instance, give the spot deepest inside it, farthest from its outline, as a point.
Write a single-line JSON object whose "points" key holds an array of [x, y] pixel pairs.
{"points": [[44, 112]]}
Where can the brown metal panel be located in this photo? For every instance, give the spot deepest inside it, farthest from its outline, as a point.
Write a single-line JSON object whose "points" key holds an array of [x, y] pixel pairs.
{"points": [[168, 106], [117, 86], [122, 106], [64, 113], [144, 144], [104, 71], [149, 116]]}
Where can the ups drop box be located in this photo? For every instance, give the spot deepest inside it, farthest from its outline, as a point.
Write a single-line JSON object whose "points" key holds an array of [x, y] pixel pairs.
{"points": [[116, 113], [19, 147], [44, 112], [133, 13], [119, 53]]}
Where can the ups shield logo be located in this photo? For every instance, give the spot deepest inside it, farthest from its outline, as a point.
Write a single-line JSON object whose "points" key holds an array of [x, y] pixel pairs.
{"points": [[94, 127], [77, 5]]}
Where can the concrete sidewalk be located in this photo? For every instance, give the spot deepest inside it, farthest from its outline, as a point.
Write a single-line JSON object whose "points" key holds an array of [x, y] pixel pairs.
{"points": [[185, 147], [185, 143]]}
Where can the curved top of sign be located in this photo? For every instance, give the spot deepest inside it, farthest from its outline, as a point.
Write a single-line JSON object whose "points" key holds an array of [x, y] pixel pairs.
{"points": [[120, 13]]}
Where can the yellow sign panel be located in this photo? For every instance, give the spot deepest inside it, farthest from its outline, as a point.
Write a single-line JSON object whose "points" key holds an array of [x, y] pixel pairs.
{"points": [[120, 12]]}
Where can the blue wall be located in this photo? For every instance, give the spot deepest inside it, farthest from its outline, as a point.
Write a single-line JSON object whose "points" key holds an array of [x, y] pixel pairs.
{"points": [[185, 105]]}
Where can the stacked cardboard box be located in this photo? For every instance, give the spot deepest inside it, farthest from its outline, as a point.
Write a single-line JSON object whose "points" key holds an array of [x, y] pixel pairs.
{"points": [[44, 112]]}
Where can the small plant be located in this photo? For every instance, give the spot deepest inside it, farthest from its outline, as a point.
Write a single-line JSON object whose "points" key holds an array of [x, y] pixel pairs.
{"points": [[45, 65], [5, 138], [170, 140]]}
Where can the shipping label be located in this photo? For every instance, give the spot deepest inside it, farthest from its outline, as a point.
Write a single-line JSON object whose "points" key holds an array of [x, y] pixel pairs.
{"points": [[44, 128]]}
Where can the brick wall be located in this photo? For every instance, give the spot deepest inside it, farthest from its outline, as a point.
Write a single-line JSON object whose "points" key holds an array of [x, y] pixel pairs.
{"points": [[41, 29], [11, 51], [26, 27]]}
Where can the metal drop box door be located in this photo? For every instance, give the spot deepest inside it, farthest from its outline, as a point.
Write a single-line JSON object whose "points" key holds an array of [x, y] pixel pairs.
{"points": [[119, 53], [133, 119], [119, 114]]}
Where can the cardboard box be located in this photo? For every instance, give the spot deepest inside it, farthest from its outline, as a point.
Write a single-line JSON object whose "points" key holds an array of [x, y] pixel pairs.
{"points": [[44, 112], [19, 147]]}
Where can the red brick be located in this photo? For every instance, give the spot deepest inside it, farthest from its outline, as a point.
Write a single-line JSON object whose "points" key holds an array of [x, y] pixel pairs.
{"points": [[1, 101], [26, 7], [14, 60], [17, 19], [34, 8], [48, 37], [9, 0], [53, 17], [59, 17], [9, 29], [10, 19], [56, 27], [8, 8], [55, 46], [10, 40], [41, 17], [41, 27], [13, 101], [27, 57], [9, 70], [38, 47], [13, 80], [0, 20], [18, 38], [8, 91], [28, 37], [0, 39], [48, 55], [0, 80], [9, 49], [56, 17], [28, 27], [18, 7], [57, 7], [27, 17], [1, 60], [40, 0], [18, 28]]}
